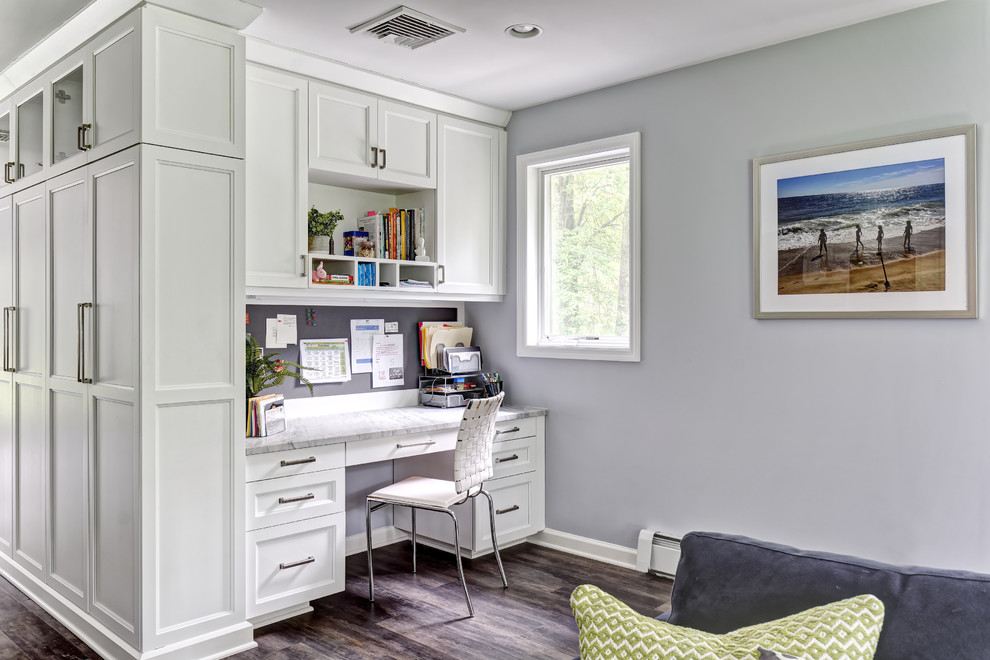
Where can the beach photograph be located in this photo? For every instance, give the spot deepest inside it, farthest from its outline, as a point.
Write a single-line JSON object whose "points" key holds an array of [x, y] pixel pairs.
{"points": [[868, 230]]}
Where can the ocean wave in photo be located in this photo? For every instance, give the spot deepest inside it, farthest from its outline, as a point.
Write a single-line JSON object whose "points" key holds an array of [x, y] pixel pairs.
{"points": [[800, 218]]}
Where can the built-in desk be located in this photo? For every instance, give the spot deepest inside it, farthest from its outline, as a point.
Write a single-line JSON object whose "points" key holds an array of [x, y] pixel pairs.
{"points": [[296, 491]]}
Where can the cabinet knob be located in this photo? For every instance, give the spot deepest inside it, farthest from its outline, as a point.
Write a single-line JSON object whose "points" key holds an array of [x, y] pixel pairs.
{"points": [[374, 157], [8, 177], [382, 166]]}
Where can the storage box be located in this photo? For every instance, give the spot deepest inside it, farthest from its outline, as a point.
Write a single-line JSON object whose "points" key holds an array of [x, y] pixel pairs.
{"points": [[352, 242]]}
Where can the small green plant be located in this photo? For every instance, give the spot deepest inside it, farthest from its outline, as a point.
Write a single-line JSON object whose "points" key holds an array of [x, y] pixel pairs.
{"points": [[264, 371], [323, 224]]}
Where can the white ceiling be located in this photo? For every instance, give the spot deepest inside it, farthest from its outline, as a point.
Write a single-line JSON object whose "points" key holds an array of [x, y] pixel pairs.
{"points": [[586, 44]]}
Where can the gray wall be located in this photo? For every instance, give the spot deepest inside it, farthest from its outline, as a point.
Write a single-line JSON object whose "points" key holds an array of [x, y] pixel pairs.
{"points": [[869, 437]]}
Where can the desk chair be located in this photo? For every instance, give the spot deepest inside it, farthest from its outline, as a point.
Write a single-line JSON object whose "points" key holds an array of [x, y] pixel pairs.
{"points": [[472, 465]]}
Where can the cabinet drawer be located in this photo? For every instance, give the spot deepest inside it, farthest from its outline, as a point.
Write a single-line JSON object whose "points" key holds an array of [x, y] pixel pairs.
{"points": [[289, 565], [294, 461], [518, 511], [515, 428], [402, 446], [514, 457], [288, 499]]}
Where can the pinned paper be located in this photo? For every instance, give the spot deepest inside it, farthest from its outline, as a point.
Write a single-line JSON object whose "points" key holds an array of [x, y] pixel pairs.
{"points": [[287, 328], [363, 332], [271, 334], [388, 363]]}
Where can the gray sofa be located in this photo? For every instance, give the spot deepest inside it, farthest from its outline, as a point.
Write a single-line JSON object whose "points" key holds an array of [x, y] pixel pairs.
{"points": [[725, 582]]}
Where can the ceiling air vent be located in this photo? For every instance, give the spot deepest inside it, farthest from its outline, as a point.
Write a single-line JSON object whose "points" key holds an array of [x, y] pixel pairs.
{"points": [[406, 27]]}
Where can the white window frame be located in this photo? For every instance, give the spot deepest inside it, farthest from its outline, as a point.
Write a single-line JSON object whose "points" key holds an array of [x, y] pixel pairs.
{"points": [[530, 233]]}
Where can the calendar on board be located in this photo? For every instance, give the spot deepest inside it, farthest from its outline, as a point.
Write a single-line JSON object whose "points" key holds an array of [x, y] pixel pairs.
{"points": [[328, 360]]}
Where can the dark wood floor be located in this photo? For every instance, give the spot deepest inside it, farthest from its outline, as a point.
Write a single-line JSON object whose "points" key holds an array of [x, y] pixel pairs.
{"points": [[424, 615], [414, 616]]}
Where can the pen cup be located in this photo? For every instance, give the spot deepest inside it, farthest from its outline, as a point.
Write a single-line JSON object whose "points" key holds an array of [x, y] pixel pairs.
{"points": [[493, 388]]}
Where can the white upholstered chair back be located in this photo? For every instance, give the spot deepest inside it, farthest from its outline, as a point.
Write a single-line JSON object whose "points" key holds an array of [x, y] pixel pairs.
{"points": [[473, 453]]}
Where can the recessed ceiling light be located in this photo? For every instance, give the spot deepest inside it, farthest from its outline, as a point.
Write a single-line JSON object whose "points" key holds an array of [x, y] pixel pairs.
{"points": [[523, 30]]}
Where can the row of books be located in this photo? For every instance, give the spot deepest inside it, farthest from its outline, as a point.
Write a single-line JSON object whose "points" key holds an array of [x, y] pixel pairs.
{"points": [[366, 274], [395, 232], [266, 415]]}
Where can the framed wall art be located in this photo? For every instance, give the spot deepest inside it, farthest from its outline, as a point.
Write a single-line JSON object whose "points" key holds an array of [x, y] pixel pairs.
{"points": [[883, 229]]}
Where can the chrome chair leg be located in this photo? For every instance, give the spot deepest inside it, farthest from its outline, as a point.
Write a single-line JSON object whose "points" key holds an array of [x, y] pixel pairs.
{"points": [[371, 570], [460, 569], [412, 510], [491, 518]]}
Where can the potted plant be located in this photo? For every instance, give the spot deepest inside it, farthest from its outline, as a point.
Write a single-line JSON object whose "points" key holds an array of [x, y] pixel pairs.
{"points": [[264, 371], [321, 227]]}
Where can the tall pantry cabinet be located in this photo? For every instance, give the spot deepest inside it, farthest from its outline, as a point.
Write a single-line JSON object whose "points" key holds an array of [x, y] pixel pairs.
{"points": [[121, 395]]}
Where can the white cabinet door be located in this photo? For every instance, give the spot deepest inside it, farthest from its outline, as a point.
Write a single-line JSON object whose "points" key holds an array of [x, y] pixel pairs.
{"points": [[111, 401], [470, 212], [113, 83], [343, 129], [29, 281], [30, 467], [276, 175], [407, 146], [6, 382], [361, 135], [70, 277], [70, 273]]}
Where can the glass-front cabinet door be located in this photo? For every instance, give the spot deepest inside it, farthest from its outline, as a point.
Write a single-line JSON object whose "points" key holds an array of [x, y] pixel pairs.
{"points": [[69, 133], [29, 117], [6, 156]]}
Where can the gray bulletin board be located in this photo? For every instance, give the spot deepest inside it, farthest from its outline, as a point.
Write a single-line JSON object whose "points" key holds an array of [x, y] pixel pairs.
{"points": [[333, 322]]}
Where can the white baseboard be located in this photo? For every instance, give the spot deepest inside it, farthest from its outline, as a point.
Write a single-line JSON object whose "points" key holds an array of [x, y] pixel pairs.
{"points": [[582, 546], [382, 536]]}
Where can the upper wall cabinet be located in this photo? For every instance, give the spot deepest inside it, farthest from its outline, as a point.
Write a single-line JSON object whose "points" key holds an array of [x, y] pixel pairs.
{"points": [[129, 84], [470, 216], [276, 179], [360, 135]]}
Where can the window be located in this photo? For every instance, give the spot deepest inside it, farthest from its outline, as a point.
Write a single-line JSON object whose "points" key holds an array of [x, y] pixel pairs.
{"points": [[578, 239]]}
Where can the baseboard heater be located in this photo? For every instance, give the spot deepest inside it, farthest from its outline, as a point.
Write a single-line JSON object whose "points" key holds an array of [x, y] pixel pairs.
{"points": [[657, 553]]}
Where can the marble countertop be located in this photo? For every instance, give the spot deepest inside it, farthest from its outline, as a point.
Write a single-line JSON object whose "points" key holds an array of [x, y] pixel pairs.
{"points": [[327, 429]]}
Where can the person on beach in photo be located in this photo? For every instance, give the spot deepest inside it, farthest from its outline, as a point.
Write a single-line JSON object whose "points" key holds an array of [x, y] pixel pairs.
{"points": [[879, 239], [907, 237], [859, 238], [822, 242]]}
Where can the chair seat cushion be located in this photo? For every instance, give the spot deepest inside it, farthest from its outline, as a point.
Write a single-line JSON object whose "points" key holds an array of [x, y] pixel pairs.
{"points": [[419, 491]]}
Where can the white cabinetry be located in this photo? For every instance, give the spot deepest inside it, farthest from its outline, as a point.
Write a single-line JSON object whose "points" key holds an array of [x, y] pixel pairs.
{"points": [[121, 451], [470, 214], [276, 179], [129, 84], [517, 488], [358, 134], [295, 522], [365, 153]]}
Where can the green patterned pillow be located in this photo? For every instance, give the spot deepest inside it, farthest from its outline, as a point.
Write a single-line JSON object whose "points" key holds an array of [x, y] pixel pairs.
{"points": [[608, 628]]}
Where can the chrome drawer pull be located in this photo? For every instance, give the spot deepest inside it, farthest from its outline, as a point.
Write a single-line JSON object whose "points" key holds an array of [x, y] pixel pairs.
{"points": [[514, 429], [301, 461], [293, 564], [514, 457], [514, 507], [416, 444], [301, 498]]}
